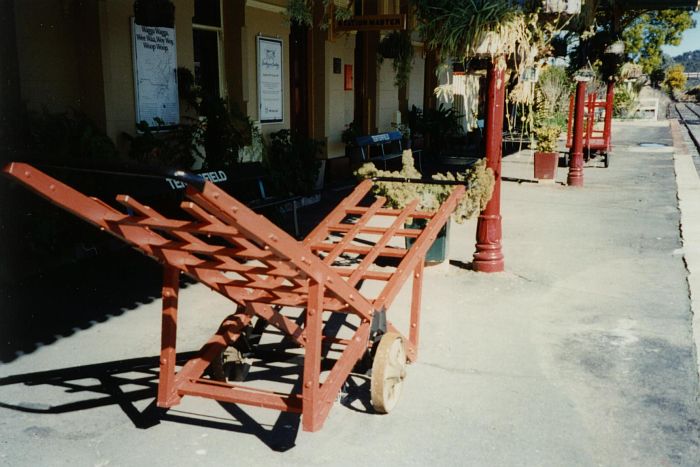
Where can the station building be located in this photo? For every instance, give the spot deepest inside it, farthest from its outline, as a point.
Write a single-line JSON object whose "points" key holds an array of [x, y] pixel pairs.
{"points": [[82, 54]]}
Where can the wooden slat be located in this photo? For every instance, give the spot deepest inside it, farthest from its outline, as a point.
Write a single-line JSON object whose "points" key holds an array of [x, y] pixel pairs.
{"points": [[369, 259], [390, 212], [240, 395], [320, 232], [362, 250], [419, 248], [370, 275], [354, 231], [412, 233]]}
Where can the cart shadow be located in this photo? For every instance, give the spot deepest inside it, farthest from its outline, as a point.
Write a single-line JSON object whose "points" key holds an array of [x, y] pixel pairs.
{"points": [[57, 304], [125, 383], [355, 394]]}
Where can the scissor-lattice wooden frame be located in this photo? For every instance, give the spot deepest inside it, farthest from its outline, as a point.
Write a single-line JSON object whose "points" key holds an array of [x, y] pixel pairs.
{"points": [[246, 258]]}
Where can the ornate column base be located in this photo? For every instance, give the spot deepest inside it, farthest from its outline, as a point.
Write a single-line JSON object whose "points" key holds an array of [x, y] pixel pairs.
{"points": [[575, 176], [488, 256]]}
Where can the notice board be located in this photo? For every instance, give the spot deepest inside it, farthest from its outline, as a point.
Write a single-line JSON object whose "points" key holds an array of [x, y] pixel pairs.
{"points": [[270, 88], [155, 74]]}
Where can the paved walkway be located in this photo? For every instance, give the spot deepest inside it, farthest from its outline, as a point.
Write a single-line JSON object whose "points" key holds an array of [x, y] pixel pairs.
{"points": [[580, 354]]}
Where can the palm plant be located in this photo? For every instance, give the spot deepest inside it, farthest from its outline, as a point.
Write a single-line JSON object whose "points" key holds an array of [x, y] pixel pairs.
{"points": [[457, 28]]}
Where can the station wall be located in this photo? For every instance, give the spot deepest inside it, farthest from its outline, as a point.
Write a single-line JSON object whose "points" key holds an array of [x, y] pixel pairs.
{"points": [[79, 55]]}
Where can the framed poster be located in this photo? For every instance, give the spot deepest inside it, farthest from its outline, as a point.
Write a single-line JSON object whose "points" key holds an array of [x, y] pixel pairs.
{"points": [[270, 90], [155, 75]]}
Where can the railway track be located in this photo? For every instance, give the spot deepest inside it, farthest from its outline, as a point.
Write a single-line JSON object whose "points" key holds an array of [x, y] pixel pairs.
{"points": [[689, 115]]}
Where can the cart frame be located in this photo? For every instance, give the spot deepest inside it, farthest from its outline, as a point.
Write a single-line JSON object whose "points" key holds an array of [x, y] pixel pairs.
{"points": [[262, 269]]}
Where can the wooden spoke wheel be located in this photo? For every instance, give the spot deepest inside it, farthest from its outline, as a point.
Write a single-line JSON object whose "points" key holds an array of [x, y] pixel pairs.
{"points": [[388, 372]]}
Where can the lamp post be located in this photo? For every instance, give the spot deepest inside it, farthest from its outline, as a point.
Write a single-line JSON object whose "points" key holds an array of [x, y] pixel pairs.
{"points": [[488, 256], [575, 177]]}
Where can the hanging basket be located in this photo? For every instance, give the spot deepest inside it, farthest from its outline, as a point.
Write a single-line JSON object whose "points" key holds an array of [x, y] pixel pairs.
{"points": [[559, 46], [488, 45], [567, 7], [392, 45], [616, 48]]}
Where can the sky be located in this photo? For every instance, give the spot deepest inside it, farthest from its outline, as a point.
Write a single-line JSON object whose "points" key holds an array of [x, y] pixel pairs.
{"points": [[690, 41]]}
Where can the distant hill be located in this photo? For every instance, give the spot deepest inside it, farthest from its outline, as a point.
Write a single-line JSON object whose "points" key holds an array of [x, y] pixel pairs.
{"points": [[689, 60]]}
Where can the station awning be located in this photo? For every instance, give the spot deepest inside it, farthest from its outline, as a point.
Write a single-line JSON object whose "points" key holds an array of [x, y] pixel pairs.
{"points": [[661, 4]]}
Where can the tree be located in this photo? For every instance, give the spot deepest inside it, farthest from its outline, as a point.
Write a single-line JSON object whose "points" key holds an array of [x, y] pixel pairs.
{"points": [[603, 22], [675, 78], [651, 30], [553, 85]]}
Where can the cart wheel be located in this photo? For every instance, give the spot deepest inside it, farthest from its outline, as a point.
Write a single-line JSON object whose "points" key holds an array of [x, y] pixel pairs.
{"points": [[388, 372], [229, 365], [607, 160]]}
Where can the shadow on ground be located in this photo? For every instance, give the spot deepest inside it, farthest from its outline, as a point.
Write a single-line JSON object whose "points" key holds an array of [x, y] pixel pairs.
{"points": [[140, 375], [53, 305]]}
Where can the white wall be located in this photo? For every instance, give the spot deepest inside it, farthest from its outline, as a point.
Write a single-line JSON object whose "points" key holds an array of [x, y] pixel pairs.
{"points": [[417, 80], [340, 104], [387, 96]]}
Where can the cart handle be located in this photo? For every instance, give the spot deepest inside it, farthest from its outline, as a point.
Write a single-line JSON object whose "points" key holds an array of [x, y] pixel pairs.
{"points": [[194, 180]]}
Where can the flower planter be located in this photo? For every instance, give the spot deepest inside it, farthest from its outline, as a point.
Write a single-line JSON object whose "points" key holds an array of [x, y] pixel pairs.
{"points": [[546, 165], [569, 7], [437, 253]]}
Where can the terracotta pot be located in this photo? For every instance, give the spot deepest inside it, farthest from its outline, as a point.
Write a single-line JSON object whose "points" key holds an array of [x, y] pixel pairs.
{"points": [[546, 165]]}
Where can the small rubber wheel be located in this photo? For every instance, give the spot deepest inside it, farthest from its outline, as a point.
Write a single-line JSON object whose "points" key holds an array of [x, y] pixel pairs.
{"points": [[388, 372], [229, 366], [607, 161]]}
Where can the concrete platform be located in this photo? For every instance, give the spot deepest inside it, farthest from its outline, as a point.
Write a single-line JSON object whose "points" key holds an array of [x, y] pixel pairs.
{"points": [[581, 353]]}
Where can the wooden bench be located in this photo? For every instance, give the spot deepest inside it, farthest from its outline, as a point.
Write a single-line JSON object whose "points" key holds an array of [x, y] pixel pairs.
{"points": [[389, 145], [648, 105]]}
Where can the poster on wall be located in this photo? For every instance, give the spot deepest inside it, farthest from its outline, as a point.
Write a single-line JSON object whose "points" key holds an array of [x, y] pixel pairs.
{"points": [[270, 92], [155, 75]]}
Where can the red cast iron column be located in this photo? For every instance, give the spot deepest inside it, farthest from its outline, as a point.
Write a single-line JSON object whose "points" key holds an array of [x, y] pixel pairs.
{"points": [[488, 256], [575, 177], [609, 100]]}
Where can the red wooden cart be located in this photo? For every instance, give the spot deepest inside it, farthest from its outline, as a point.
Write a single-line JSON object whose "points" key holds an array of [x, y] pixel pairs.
{"points": [[274, 280]]}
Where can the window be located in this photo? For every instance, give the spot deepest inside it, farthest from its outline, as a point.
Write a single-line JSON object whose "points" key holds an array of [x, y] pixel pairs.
{"points": [[207, 38]]}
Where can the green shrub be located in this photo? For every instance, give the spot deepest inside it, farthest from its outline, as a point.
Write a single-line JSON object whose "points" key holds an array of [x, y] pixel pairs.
{"points": [[480, 182], [547, 136], [439, 125], [63, 138], [351, 131], [165, 147], [293, 163], [224, 133], [624, 102]]}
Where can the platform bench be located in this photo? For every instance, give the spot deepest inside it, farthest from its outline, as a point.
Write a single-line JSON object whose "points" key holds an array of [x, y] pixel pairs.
{"points": [[388, 143], [247, 182]]}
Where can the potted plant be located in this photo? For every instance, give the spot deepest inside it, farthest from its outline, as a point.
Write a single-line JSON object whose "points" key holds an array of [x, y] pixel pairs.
{"points": [[480, 181], [347, 137], [293, 162], [546, 159]]}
